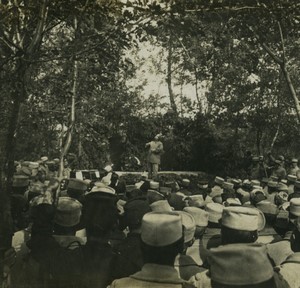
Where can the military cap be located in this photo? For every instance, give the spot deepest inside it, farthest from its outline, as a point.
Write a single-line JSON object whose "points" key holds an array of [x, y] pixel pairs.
{"points": [[68, 212], [274, 178], [216, 191], [185, 182], [154, 185], [33, 165], [153, 196], [232, 202], [236, 181], [161, 228], [255, 159], [295, 206], [161, 206], [20, 181], [255, 182], [272, 184], [282, 187], [25, 171], [200, 216], [189, 225], [219, 180], [265, 180], [292, 178], [240, 218], [108, 168], [99, 192], [44, 158], [228, 264], [281, 158], [267, 207], [281, 197], [284, 181], [297, 184], [56, 160], [165, 190], [196, 201], [139, 184], [228, 185], [294, 160], [214, 212], [77, 184]]}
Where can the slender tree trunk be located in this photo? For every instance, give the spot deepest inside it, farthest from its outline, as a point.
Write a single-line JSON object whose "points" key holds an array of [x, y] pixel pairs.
{"points": [[169, 76]]}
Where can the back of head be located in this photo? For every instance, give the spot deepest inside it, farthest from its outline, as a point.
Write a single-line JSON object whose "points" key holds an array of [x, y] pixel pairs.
{"points": [[228, 266], [162, 237]]}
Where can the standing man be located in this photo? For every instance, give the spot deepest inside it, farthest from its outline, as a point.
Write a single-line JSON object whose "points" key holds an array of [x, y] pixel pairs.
{"points": [[156, 148]]}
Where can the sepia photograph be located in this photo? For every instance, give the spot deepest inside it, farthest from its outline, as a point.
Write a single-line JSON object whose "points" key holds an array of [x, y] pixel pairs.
{"points": [[149, 144]]}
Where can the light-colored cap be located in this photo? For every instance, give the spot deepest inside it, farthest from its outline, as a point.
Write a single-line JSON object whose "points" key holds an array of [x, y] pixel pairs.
{"points": [[139, 184], [214, 212], [68, 212], [294, 160], [153, 195], [196, 201], [105, 190], [267, 207], [200, 216], [219, 180], [230, 260], [216, 191], [185, 182], [282, 187], [154, 185], [295, 206], [232, 202], [161, 206], [189, 225], [255, 158], [240, 218], [161, 229], [44, 158], [165, 190], [255, 182], [292, 178], [108, 168], [228, 185], [33, 165], [272, 184]]}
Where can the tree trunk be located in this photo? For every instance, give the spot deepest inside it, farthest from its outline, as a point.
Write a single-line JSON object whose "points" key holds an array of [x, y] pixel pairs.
{"points": [[169, 77]]}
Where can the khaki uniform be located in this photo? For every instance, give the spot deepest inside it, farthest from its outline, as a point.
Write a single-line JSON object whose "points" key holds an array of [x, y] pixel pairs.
{"points": [[153, 158], [151, 275], [279, 251], [289, 270]]}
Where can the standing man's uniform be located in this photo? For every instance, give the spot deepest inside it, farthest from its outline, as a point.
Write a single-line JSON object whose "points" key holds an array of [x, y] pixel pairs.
{"points": [[153, 158]]}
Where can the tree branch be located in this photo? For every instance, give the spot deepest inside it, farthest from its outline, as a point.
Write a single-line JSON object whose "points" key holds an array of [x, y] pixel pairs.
{"points": [[282, 43]]}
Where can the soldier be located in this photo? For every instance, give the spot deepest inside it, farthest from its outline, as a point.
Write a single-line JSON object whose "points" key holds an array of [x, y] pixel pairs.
{"points": [[279, 171], [155, 150], [294, 167], [162, 240]]}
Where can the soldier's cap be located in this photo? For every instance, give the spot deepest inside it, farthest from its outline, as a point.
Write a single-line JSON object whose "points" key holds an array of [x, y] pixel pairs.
{"points": [[153, 196], [214, 212], [255, 182], [189, 225], [216, 191], [44, 158], [134, 210], [56, 160], [236, 181], [281, 158], [292, 178], [272, 184], [200, 215], [267, 207], [77, 184], [196, 201], [256, 191], [108, 168], [219, 180], [297, 184], [20, 181], [294, 160], [161, 228], [265, 180], [240, 218], [228, 185], [284, 181], [68, 212], [255, 159], [282, 187], [295, 206], [165, 190], [228, 264], [25, 170], [154, 185], [232, 202], [161, 206], [281, 197], [99, 192], [185, 182], [33, 165]]}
